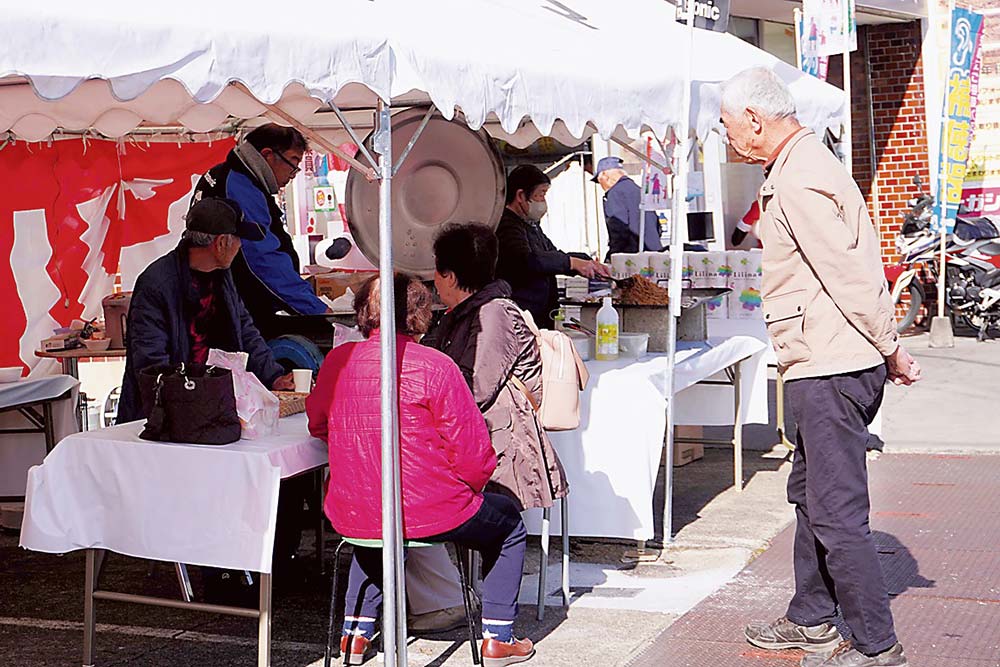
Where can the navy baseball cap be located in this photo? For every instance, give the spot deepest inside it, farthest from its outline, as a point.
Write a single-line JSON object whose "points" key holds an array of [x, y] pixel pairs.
{"points": [[219, 215], [606, 163]]}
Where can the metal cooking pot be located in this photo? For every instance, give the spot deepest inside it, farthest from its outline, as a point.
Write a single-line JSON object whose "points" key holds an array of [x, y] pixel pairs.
{"points": [[452, 174]]}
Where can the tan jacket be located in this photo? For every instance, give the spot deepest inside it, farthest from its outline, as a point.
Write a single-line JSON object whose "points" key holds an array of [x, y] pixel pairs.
{"points": [[825, 299]]}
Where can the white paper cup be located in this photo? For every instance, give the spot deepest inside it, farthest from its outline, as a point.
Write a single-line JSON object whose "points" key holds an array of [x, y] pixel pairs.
{"points": [[303, 378]]}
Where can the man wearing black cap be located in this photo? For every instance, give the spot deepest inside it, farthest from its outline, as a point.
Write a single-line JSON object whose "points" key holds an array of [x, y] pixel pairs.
{"points": [[621, 210], [185, 303]]}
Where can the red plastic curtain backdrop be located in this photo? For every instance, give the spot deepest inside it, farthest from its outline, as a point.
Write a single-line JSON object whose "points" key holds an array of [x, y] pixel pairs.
{"points": [[73, 215]]}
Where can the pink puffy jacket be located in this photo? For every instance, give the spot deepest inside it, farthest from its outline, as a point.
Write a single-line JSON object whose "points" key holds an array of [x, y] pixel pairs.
{"points": [[445, 450]]}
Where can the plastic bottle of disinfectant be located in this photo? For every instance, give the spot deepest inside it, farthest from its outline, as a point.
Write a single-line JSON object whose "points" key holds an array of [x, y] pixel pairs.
{"points": [[607, 332]]}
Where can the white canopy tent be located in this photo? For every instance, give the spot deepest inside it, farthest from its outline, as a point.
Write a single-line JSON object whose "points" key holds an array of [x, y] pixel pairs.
{"points": [[522, 68]]}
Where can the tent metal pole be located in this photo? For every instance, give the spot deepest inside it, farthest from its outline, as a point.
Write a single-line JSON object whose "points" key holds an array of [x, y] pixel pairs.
{"points": [[354, 135], [393, 591], [642, 204], [639, 154], [413, 139], [678, 234]]}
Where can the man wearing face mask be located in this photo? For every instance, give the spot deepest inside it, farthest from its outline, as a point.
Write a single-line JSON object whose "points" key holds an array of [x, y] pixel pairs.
{"points": [[266, 271], [528, 260]]}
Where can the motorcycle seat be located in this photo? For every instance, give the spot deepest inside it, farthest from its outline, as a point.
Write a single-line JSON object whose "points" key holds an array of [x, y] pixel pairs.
{"points": [[969, 229], [992, 249]]}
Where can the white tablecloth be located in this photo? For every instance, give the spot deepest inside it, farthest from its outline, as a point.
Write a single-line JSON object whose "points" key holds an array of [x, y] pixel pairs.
{"points": [[20, 451], [612, 459], [203, 505]]}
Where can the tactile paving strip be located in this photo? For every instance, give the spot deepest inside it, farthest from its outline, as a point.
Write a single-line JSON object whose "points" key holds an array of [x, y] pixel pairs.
{"points": [[938, 537]]}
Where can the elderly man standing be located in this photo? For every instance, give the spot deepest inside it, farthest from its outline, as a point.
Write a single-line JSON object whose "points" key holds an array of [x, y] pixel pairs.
{"points": [[830, 318]]}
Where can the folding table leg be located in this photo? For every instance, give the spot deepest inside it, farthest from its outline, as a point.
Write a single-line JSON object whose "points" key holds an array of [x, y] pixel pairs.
{"points": [[565, 550], [187, 593], [321, 525], [90, 579], [264, 622], [544, 564], [47, 427], [738, 426]]}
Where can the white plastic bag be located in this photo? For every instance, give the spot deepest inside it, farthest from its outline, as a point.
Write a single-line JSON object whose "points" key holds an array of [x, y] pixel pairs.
{"points": [[256, 406]]}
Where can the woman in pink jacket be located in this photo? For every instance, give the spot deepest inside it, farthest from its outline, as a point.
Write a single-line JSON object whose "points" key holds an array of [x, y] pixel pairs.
{"points": [[446, 458]]}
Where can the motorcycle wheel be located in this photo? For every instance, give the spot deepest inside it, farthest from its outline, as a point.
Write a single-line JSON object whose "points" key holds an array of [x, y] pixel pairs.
{"points": [[913, 310]]}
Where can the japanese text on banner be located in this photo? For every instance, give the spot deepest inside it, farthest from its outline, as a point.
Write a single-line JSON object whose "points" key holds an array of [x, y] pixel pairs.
{"points": [[959, 115]]}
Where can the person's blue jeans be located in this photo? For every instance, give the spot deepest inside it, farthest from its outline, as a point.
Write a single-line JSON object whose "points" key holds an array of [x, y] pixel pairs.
{"points": [[495, 531], [836, 563]]}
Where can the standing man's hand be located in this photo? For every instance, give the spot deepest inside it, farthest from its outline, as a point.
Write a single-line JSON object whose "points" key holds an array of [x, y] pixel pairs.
{"points": [[284, 383], [902, 368]]}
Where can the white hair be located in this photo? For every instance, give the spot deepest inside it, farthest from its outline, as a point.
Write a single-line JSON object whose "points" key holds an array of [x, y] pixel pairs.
{"points": [[760, 89]]}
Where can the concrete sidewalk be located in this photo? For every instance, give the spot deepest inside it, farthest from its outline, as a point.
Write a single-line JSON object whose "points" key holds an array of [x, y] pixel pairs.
{"points": [[938, 537], [955, 408]]}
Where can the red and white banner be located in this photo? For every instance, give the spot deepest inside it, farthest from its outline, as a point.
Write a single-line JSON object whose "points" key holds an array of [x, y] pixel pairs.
{"points": [[73, 215], [981, 198]]}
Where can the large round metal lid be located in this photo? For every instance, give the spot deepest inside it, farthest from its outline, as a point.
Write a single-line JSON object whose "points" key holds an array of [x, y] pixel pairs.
{"points": [[452, 174]]}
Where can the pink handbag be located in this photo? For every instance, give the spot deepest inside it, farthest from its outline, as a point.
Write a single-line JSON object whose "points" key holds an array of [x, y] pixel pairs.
{"points": [[564, 376]]}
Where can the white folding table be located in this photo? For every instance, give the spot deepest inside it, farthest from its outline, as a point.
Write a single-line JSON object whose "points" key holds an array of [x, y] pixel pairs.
{"points": [[612, 459], [109, 490]]}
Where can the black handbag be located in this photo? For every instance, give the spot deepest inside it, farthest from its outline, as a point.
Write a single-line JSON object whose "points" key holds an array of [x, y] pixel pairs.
{"points": [[189, 403]]}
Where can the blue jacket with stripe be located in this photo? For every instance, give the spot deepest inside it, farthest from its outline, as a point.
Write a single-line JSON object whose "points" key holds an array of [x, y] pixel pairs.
{"points": [[266, 270]]}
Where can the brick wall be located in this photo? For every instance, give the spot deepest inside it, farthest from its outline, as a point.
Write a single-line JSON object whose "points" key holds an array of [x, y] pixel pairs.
{"points": [[899, 149], [889, 138]]}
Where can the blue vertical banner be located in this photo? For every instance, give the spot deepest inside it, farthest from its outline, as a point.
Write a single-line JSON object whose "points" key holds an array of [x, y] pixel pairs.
{"points": [[956, 128]]}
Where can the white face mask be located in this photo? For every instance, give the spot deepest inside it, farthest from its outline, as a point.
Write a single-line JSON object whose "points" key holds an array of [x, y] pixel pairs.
{"points": [[537, 210]]}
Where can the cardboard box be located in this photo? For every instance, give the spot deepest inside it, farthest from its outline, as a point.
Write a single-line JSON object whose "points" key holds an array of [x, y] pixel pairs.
{"points": [[686, 452], [60, 342], [334, 284]]}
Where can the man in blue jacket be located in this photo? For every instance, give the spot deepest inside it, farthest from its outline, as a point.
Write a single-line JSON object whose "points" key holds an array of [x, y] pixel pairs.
{"points": [[266, 271], [621, 210]]}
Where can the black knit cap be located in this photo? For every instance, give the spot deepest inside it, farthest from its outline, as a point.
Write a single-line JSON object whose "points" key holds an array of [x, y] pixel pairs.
{"points": [[215, 215]]}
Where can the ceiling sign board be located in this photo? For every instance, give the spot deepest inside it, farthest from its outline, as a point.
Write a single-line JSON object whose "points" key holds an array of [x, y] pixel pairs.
{"points": [[708, 14]]}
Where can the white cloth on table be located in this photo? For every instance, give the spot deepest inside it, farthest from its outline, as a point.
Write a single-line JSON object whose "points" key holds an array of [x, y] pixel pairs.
{"points": [[20, 451], [30, 390], [612, 459], [197, 504]]}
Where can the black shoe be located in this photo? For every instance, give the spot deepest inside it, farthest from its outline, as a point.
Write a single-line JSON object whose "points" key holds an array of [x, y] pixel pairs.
{"points": [[846, 655], [230, 588], [784, 634]]}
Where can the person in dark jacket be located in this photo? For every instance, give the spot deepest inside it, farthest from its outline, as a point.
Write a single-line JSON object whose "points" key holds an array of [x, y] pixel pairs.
{"points": [[528, 260], [185, 302], [486, 335], [622, 199], [266, 271], [182, 305]]}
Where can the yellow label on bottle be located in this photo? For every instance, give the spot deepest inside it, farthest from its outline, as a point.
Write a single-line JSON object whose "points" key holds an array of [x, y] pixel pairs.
{"points": [[607, 341]]}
